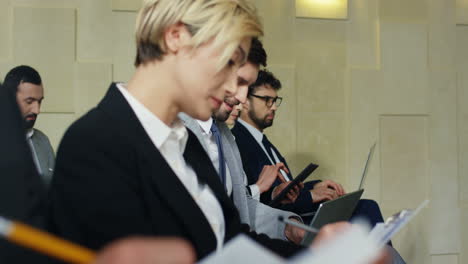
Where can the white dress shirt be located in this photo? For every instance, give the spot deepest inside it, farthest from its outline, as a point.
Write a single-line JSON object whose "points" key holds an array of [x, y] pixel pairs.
{"points": [[210, 141], [171, 142]]}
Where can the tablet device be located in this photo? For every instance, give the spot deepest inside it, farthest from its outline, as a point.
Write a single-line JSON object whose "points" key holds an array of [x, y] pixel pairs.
{"points": [[300, 178]]}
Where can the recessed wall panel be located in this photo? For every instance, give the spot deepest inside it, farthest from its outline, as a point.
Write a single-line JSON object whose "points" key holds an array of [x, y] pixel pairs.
{"points": [[320, 78], [5, 30], [54, 126], [321, 139], [124, 49], [445, 259], [92, 81], [442, 35], [404, 66], [405, 183], [278, 16], [462, 11], [126, 5], [94, 31], [462, 120], [404, 160], [363, 34], [414, 11], [445, 224], [45, 39]]}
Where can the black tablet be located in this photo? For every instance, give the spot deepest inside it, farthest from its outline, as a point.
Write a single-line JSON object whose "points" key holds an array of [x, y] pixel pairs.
{"points": [[300, 178]]}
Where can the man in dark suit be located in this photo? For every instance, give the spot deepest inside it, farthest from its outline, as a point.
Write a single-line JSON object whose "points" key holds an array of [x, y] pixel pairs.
{"points": [[22, 193], [256, 151], [26, 83]]}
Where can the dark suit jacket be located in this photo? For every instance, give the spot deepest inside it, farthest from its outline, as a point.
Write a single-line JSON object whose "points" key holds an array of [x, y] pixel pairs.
{"points": [[253, 160], [111, 182], [22, 193]]}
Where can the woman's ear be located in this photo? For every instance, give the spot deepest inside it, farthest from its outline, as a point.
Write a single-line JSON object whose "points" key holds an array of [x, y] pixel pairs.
{"points": [[176, 37]]}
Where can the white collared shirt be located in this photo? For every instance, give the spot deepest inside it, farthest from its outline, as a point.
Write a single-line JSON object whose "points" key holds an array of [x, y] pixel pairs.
{"points": [[210, 141], [171, 142], [259, 137]]}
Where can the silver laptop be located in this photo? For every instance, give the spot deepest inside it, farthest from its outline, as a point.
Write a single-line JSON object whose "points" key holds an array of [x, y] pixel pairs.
{"points": [[333, 211], [369, 159]]}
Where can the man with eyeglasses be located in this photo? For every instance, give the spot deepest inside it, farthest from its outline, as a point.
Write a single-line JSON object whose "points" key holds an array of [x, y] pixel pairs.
{"points": [[256, 151]]}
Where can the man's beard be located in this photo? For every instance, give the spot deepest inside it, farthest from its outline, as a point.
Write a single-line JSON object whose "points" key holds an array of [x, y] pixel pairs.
{"points": [[261, 123], [28, 124]]}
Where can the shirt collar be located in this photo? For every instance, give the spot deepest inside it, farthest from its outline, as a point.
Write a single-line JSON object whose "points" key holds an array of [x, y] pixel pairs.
{"points": [[255, 132], [206, 125], [156, 129], [30, 133]]}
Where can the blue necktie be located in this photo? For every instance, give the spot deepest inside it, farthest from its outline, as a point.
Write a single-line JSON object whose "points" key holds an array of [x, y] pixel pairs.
{"points": [[222, 164]]}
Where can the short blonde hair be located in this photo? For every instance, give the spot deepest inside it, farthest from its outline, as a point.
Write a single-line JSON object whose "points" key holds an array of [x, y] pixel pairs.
{"points": [[228, 22]]}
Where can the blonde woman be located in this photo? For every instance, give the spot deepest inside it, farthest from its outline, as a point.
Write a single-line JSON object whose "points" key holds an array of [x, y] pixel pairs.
{"points": [[129, 166]]}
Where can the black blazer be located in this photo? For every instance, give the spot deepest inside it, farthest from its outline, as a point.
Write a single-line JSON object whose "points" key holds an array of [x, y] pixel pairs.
{"points": [[22, 192], [111, 182], [253, 160]]}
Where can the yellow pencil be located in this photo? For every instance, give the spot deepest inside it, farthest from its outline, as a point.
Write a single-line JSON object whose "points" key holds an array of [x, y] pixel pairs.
{"points": [[45, 243]]}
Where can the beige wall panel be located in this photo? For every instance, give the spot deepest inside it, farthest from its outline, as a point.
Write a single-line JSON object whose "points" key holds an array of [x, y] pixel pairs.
{"points": [[414, 11], [126, 5], [461, 50], [363, 130], [45, 39], [5, 30], [444, 163], [54, 126], [321, 139], [442, 34], [283, 132], [123, 45], [462, 11], [319, 31], [462, 113], [404, 160], [464, 234], [91, 83], [4, 68], [278, 20], [444, 259], [404, 180], [404, 67], [320, 77], [363, 34], [94, 31]]}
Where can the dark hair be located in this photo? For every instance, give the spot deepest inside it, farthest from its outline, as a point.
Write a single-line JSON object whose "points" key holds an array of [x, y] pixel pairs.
{"points": [[20, 74], [265, 77], [257, 54]]}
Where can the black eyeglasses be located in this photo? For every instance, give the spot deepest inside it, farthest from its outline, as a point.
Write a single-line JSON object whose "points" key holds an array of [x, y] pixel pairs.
{"points": [[269, 101]]}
